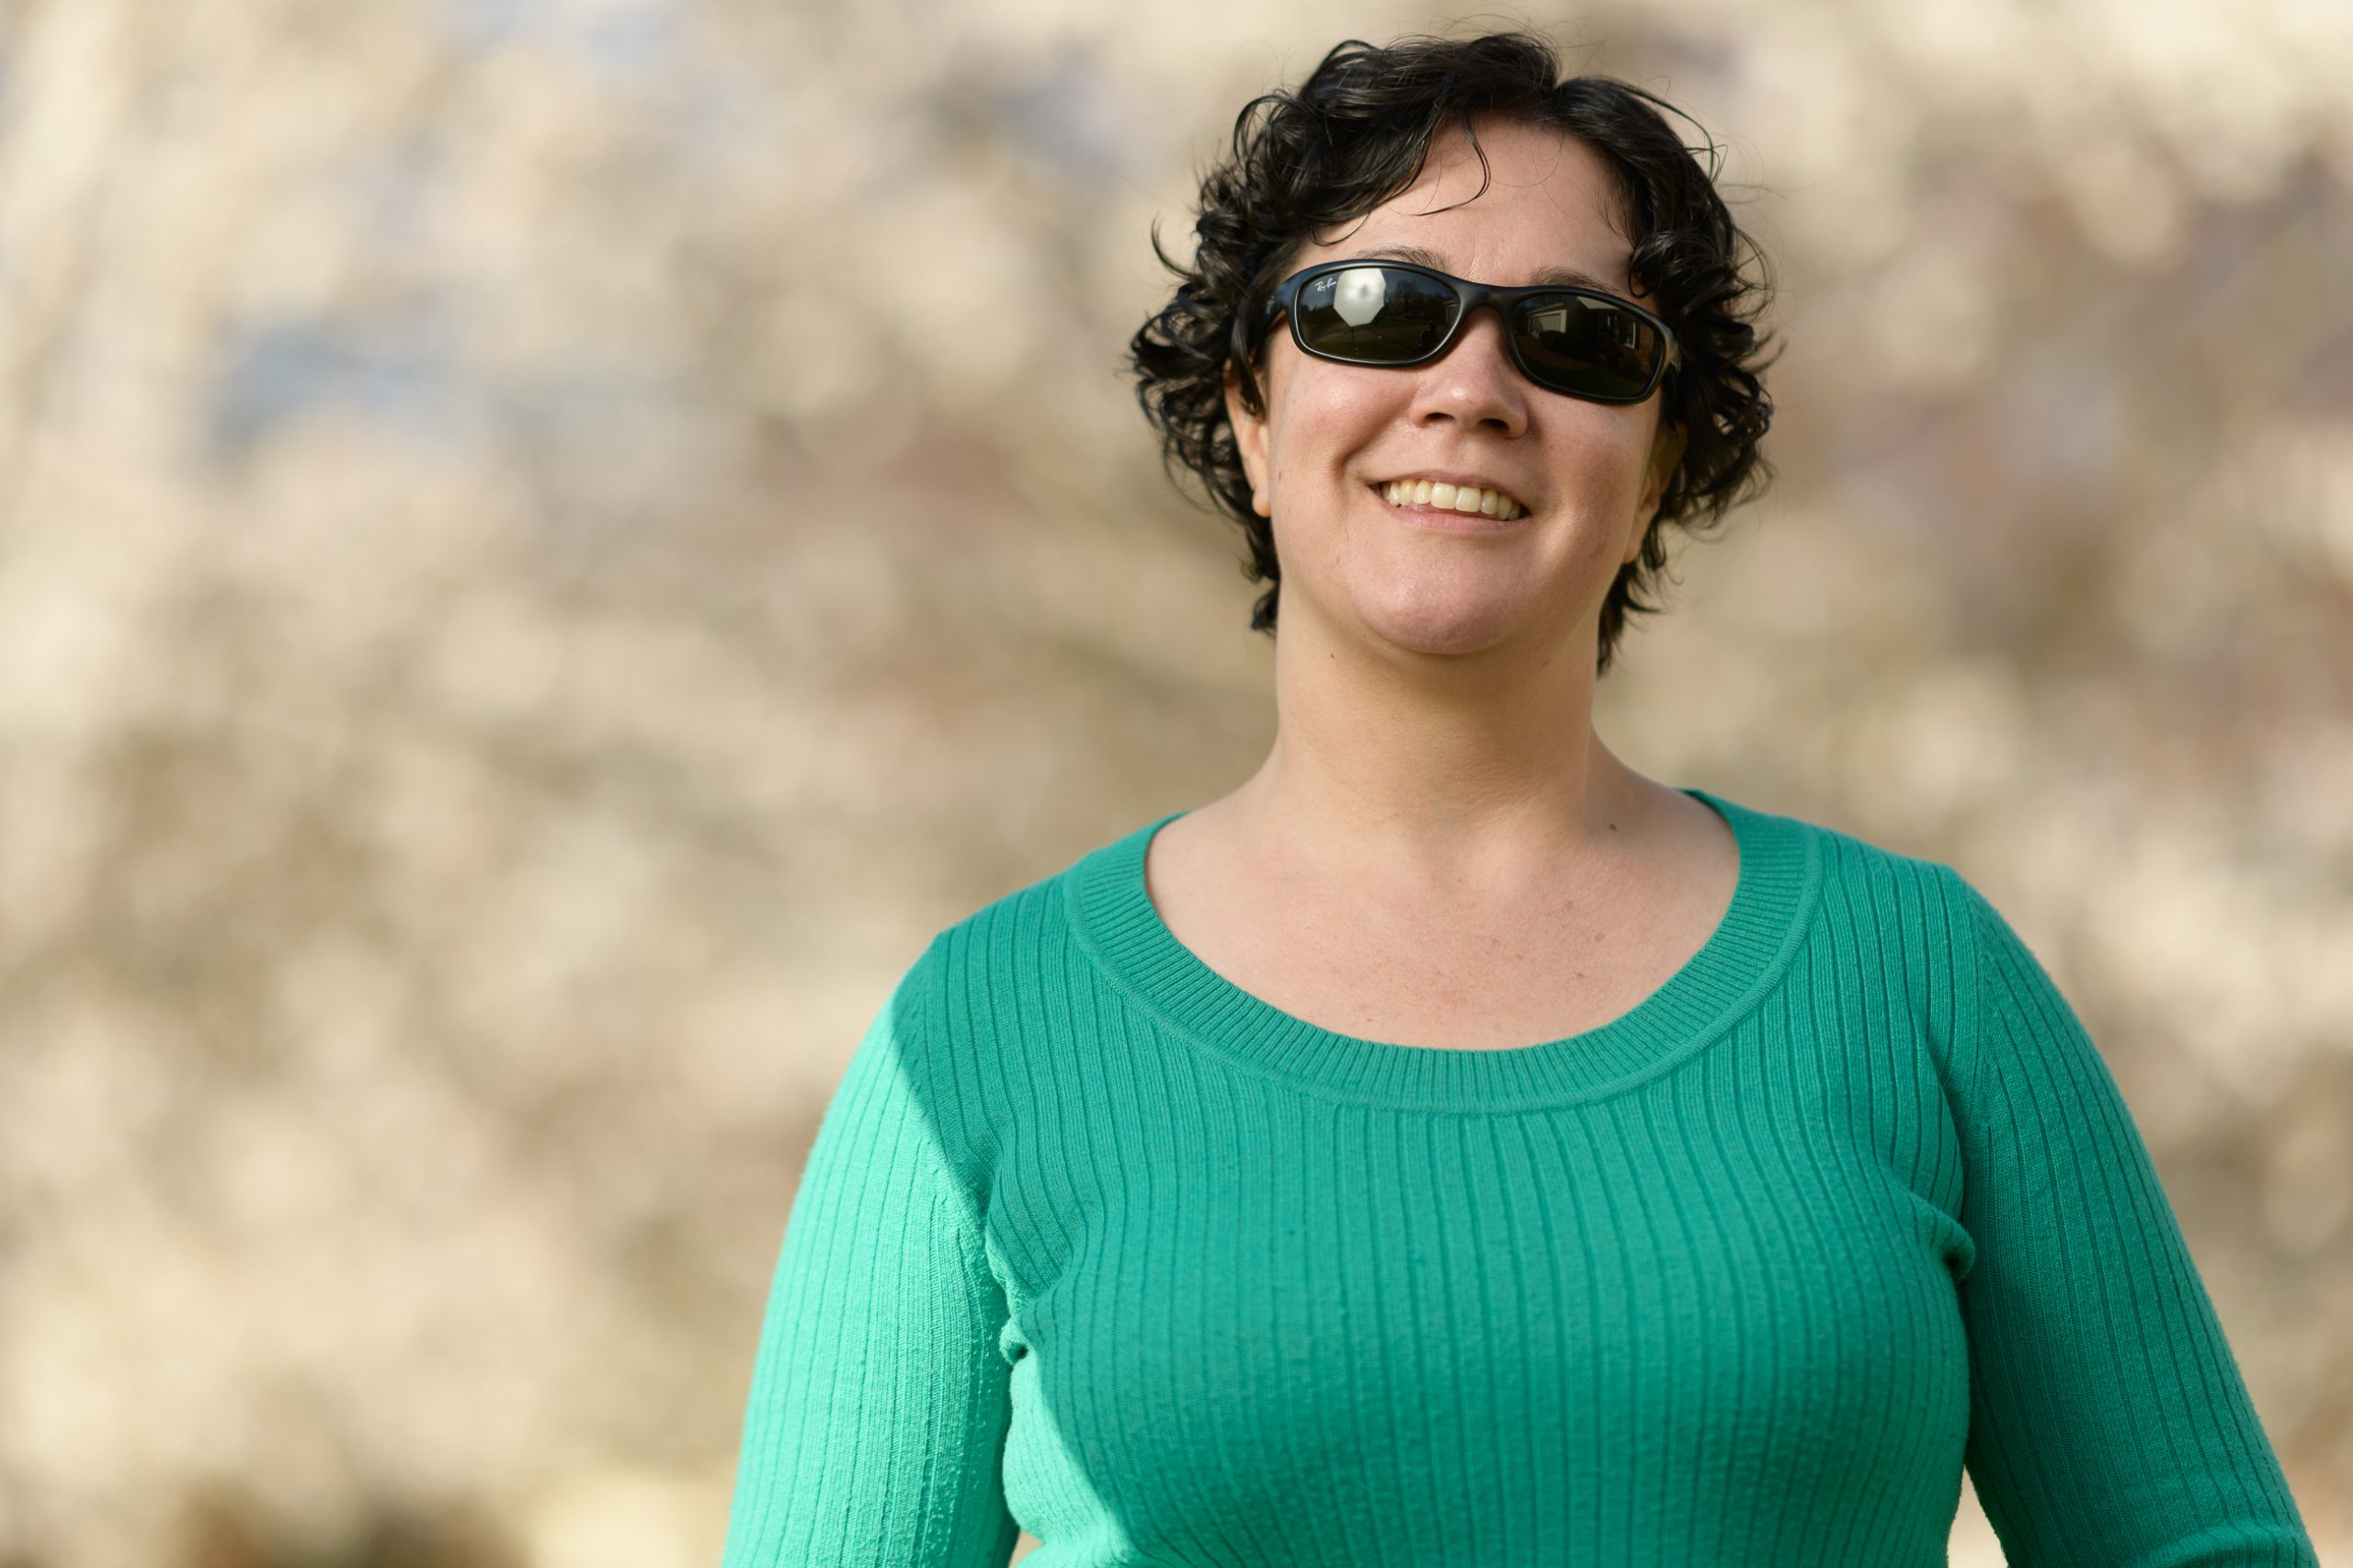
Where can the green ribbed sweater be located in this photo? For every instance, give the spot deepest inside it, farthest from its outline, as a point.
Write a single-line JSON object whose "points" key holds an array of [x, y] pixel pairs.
{"points": [[1094, 1244]]}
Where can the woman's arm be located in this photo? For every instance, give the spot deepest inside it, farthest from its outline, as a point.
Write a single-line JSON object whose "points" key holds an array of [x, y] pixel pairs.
{"points": [[879, 1400], [2109, 1422]]}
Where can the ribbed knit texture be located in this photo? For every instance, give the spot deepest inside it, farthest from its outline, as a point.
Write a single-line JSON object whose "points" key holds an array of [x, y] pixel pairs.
{"points": [[1094, 1244]]}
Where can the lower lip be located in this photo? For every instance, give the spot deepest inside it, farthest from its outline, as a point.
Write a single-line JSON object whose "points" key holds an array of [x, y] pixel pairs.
{"points": [[1446, 519]]}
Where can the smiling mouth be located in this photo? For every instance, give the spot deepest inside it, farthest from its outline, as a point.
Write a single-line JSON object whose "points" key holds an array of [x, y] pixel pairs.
{"points": [[1429, 497]]}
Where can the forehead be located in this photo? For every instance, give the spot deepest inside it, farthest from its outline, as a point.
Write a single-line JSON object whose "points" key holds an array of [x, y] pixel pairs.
{"points": [[1548, 213]]}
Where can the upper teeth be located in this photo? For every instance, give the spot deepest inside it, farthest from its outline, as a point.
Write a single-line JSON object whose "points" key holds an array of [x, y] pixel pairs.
{"points": [[1437, 493]]}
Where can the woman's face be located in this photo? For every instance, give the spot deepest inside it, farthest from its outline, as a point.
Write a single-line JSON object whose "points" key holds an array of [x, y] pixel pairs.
{"points": [[1590, 474]]}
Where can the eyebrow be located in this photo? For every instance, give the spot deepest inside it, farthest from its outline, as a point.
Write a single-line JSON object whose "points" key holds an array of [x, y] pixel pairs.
{"points": [[1422, 255]]}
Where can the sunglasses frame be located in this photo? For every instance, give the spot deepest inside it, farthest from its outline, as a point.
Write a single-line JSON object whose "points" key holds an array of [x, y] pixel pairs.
{"points": [[1469, 296]]}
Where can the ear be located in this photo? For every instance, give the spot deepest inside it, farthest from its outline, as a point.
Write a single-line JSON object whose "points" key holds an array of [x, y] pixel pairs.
{"points": [[1250, 441], [1666, 451]]}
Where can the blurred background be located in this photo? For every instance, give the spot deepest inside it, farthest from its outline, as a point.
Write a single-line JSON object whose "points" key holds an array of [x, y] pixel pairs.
{"points": [[546, 546]]}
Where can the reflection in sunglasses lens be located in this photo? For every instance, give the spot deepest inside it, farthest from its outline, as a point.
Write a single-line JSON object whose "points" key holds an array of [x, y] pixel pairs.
{"points": [[1359, 295], [1377, 315], [1587, 345]]}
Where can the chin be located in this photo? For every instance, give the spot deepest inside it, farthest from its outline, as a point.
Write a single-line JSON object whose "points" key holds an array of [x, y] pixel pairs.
{"points": [[1447, 625]]}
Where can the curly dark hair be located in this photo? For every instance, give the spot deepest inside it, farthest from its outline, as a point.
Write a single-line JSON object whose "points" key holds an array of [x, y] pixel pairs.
{"points": [[1356, 134]]}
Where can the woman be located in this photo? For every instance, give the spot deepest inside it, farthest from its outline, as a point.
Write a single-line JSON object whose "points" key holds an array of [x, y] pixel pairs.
{"points": [[1202, 1203]]}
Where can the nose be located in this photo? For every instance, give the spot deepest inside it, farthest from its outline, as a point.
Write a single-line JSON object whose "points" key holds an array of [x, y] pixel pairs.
{"points": [[1474, 382]]}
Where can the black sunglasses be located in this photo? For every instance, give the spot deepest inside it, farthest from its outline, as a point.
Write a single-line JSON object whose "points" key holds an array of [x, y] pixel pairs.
{"points": [[1580, 342]]}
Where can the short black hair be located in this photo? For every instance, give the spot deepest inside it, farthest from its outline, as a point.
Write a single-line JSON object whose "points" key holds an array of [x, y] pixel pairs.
{"points": [[1356, 133]]}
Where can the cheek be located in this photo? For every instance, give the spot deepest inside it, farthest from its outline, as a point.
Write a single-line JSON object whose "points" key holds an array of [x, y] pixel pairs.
{"points": [[1600, 463], [1321, 415]]}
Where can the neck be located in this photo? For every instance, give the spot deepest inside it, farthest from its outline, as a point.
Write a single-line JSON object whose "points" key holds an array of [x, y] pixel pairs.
{"points": [[1441, 770]]}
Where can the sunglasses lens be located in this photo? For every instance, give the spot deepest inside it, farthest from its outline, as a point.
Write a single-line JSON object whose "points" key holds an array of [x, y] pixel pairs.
{"points": [[1588, 347], [1375, 315]]}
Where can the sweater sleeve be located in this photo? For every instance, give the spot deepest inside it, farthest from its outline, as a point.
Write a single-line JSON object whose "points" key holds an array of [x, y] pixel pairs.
{"points": [[2109, 1425], [879, 1400]]}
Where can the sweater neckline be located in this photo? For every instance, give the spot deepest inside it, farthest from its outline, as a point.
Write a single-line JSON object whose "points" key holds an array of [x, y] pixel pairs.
{"points": [[1116, 923]]}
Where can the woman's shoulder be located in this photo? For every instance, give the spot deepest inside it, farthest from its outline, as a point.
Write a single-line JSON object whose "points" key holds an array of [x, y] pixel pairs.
{"points": [[1016, 923], [1879, 896], [1853, 857]]}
